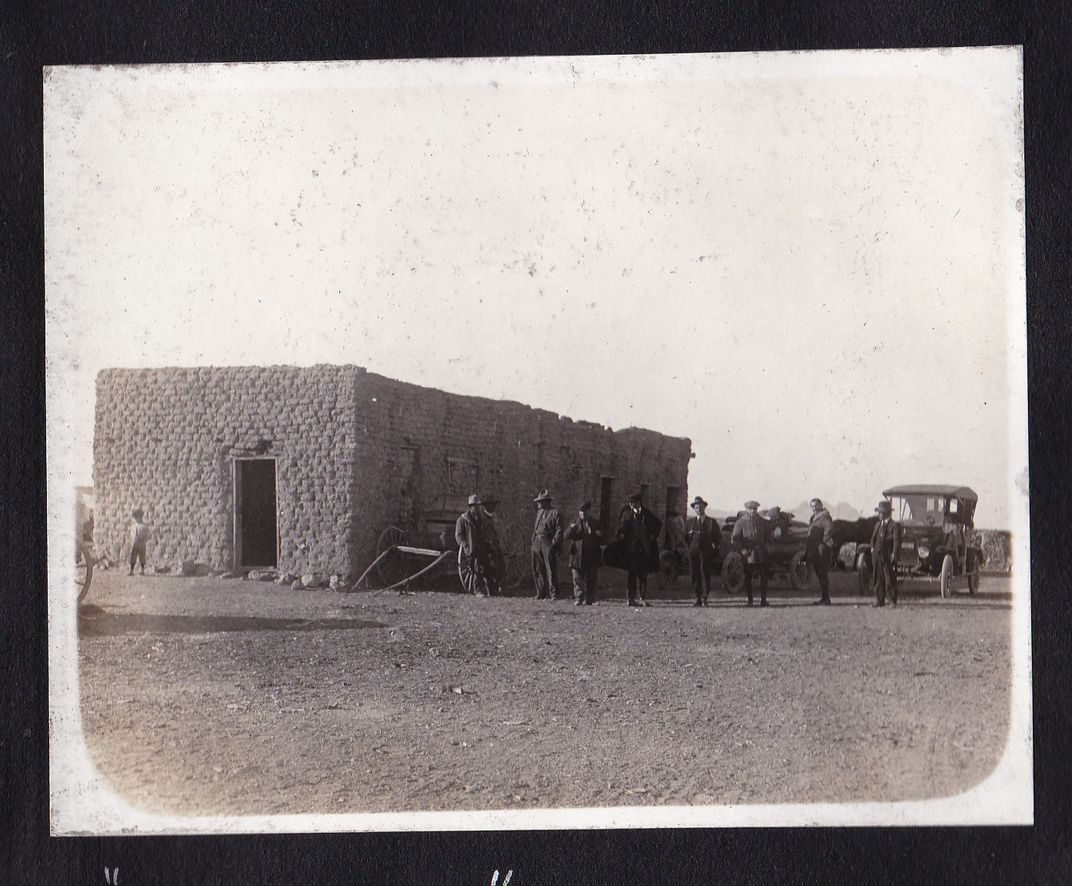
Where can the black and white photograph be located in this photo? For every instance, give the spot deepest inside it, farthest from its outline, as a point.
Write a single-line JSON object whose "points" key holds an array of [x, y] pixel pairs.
{"points": [[538, 443]]}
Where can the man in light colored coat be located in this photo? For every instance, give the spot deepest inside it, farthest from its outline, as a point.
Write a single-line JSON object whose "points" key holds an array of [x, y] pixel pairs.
{"points": [[820, 544], [751, 537], [546, 534]]}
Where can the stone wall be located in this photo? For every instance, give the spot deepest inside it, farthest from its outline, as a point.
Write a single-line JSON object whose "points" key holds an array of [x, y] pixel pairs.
{"points": [[408, 436], [165, 440], [356, 452]]}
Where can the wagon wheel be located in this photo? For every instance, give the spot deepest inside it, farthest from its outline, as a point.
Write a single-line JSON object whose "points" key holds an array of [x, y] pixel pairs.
{"points": [[83, 575], [473, 581], [800, 571], [733, 573], [973, 572], [392, 568], [864, 574], [945, 580], [516, 560]]}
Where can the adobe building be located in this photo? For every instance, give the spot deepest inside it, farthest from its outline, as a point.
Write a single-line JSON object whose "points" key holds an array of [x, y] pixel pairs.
{"points": [[300, 469]]}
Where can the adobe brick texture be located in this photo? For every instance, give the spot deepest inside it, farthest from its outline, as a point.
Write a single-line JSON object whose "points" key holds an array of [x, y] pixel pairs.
{"points": [[356, 452]]}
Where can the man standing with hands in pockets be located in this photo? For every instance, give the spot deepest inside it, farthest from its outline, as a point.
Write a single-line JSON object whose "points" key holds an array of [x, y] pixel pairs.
{"points": [[546, 534], [701, 540]]}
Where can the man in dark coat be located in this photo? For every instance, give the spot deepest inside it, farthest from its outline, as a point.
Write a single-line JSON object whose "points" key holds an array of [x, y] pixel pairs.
{"points": [[701, 539], [585, 555], [750, 538], [546, 534], [820, 544], [885, 549], [638, 529]]}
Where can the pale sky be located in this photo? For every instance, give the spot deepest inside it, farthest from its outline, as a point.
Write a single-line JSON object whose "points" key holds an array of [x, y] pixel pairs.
{"points": [[810, 263]]}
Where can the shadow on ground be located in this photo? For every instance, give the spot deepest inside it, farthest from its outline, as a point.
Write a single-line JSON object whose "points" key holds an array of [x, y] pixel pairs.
{"points": [[96, 622]]}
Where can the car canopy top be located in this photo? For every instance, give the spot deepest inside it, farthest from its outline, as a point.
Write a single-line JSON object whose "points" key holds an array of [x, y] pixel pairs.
{"points": [[963, 492]]}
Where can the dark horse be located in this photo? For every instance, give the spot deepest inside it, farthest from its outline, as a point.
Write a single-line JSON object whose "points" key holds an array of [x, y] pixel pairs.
{"points": [[853, 531]]}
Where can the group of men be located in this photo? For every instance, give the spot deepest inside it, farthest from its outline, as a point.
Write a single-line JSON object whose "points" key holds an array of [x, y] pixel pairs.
{"points": [[635, 548], [635, 544], [751, 537]]}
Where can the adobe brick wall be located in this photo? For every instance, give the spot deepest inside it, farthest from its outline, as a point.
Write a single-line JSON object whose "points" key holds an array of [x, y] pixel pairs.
{"points": [[164, 440], [517, 450], [356, 452]]}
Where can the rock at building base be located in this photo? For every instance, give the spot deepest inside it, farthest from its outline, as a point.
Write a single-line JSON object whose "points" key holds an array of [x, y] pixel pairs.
{"points": [[297, 586], [286, 578], [335, 583], [258, 575], [192, 567], [232, 574], [312, 580]]}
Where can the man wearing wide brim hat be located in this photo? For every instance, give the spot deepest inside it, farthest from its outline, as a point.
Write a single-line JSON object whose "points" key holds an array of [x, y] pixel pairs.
{"points": [[701, 540], [885, 549], [474, 533], [638, 531], [750, 538], [546, 534]]}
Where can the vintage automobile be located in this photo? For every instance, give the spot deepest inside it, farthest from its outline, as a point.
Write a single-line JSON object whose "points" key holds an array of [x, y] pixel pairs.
{"points": [[938, 541]]}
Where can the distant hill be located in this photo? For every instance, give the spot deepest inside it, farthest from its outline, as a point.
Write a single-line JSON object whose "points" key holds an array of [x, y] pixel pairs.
{"points": [[841, 511]]}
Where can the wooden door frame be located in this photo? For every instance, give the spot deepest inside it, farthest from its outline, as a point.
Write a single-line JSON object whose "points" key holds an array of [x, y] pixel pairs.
{"points": [[235, 509]]}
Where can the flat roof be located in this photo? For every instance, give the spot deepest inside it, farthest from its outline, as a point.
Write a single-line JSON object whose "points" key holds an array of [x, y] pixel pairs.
{"points": [[933, 489]]}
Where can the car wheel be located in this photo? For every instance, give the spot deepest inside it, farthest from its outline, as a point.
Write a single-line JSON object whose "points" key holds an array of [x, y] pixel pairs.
{"points": [[864, 575], [733, 573], [945, 581], [800, 572], [973, 573]]}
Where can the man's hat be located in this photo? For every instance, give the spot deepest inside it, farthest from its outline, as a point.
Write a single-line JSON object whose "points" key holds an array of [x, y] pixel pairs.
{"points": [[884, 507], [751, 504], [774, 510], [816, 502], [585, 506], [634, 496], [475, 500], [698, 501], [543, 495]]}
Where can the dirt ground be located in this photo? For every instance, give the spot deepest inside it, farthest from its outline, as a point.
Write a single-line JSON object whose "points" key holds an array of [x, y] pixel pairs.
{"points": [[203, 695]]}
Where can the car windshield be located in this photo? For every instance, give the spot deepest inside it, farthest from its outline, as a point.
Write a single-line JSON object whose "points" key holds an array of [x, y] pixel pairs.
{"points": [[919, 510]]}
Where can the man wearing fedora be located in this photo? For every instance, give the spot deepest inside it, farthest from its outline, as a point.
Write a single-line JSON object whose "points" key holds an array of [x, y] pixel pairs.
{"points": [[638, 529], [751, 536], [546, 534], [701, 539], [585, 555], [476, 537], [885, 549]]}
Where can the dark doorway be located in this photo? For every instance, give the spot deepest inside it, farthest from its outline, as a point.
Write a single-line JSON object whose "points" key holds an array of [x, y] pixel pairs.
{"points": [[256, 532], [606, 502], [673, 502]]}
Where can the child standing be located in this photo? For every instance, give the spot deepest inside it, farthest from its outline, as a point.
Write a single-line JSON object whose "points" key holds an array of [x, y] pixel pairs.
{"points": [[139, 536]]}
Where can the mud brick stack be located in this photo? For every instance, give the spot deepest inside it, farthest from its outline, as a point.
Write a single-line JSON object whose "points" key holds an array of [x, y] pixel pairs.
{"points": [[354, 452]]}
